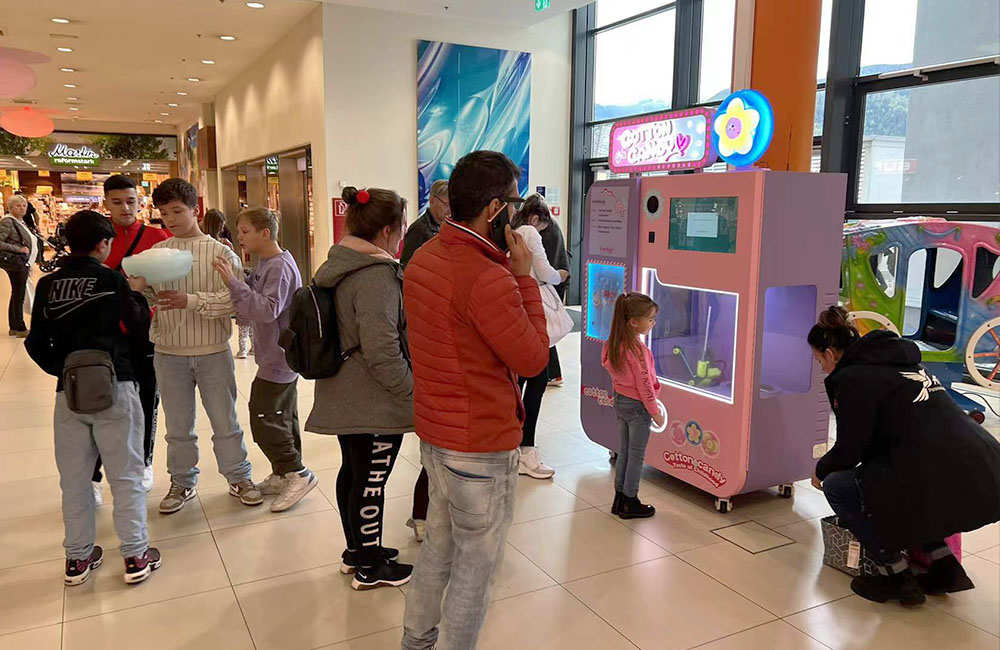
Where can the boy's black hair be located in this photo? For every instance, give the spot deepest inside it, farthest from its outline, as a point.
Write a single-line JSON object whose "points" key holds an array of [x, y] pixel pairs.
{"points": [[86, 229], [478, 178], [118, 182], [175, 189]]}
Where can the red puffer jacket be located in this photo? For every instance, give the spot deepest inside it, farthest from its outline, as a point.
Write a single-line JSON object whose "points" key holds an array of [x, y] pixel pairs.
{"points": [[473, 328]]}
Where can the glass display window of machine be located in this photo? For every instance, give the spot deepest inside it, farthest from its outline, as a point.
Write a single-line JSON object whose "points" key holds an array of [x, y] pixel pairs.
{"points": [[694, 340]]}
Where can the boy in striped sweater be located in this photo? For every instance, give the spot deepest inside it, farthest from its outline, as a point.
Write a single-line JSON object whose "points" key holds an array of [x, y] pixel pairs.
{"points": [[191, 331]]}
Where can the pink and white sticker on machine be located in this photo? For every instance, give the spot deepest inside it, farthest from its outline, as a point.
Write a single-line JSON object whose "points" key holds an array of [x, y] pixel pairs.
{"points": [[666, 418]]}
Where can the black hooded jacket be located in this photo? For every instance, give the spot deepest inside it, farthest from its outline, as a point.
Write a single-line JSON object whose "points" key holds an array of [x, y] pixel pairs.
{"points": [[926, 469], [86, 306]]}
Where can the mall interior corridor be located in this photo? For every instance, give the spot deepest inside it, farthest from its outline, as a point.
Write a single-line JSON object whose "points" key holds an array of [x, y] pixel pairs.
{"points": [[574, 577]]}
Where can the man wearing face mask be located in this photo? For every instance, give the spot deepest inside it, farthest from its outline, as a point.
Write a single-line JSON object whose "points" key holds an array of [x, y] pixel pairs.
{"points": [[476, 322]]}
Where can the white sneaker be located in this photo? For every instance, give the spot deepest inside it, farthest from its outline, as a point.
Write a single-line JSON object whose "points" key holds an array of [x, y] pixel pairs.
{"points": [[531, 464], [272, 485], [147, 479], [296, 487], [98, 496], [241, 354]]}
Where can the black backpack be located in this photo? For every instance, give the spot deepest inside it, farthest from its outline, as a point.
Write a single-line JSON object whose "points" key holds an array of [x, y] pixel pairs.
{"points": [[312, 340]]}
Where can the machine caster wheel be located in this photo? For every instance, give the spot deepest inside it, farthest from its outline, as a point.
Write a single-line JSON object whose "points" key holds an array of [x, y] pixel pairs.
{"points": [[786, 491], [723, 505], [977, 416]]}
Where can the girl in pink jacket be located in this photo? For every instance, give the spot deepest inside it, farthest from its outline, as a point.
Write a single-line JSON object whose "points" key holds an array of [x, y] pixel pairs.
{"points": [[636, 388]]}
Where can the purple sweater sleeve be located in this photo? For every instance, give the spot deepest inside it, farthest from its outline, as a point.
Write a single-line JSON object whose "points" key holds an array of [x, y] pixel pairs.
{"points": [[263, 303]]}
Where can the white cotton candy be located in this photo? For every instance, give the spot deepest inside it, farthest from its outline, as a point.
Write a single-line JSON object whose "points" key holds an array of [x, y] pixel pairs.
{"points": [[159, 265]]}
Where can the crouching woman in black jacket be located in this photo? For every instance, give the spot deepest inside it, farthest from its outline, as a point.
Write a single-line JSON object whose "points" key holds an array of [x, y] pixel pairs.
{"points": [[909, 467]]}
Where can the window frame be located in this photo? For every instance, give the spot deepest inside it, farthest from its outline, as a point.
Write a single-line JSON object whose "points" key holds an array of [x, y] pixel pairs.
{"points": [[843, 123], [686, 86]]}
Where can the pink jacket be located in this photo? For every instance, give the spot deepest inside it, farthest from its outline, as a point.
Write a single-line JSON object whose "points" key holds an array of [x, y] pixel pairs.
{"points": [[637, 379]]}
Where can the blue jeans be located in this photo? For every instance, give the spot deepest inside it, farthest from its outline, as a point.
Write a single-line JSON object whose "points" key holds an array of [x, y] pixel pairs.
{"points": [[116, 435], [471, 507], [633, 435], [215, 377]]}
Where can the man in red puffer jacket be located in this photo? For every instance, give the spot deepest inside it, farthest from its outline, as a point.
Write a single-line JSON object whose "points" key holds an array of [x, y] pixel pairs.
{"points": [[475, 323]]}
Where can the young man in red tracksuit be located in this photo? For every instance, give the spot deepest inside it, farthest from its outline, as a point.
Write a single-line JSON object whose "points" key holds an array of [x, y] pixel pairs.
{"points": [[131, 238], [476, 322]]}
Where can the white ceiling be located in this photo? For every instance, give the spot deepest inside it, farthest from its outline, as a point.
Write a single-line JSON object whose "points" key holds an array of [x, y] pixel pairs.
{"points": [[132, 56], [512, 12]]}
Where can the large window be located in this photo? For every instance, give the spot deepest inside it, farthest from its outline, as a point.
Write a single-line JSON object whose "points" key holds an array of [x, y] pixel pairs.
{"points": [[915, 107], [900, 34], [633, 67], [716, 69], [652, 55], [921, 145]]}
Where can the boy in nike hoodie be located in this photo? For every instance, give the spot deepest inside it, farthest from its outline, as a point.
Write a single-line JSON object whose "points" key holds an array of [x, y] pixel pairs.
{"points": [[87, 306]]}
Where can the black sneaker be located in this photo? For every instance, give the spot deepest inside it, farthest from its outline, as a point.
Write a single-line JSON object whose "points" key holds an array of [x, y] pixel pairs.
{"points": [[617, 505], [383, 574], [77, 571], [945, 576], [138, 568], [632, 508], [898, 586], [349, 562]]}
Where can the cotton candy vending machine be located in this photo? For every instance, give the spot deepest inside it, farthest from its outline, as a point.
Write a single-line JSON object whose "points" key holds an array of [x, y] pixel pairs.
{"points": [[741, 263]]}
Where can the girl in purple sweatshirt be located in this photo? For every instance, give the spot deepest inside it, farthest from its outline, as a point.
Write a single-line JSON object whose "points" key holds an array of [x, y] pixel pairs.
{"points": [[633, 375], [263, 300]]}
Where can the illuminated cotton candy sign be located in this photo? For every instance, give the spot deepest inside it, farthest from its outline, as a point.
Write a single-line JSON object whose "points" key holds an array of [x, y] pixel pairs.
{"points": [[666, 142]]}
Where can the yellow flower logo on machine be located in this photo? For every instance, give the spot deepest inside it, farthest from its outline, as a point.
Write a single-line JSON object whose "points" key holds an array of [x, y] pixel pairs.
{"points": [[736, 127]]}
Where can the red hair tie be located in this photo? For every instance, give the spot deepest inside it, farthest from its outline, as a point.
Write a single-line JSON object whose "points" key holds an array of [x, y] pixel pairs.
{"points": [[364, 197]]}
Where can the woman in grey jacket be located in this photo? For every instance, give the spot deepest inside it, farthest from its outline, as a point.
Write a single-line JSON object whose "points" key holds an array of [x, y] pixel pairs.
{"points": [[369, 402], [17, 242]]}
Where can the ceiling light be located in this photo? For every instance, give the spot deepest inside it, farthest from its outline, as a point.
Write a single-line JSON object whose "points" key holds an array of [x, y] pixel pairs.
{"points": [[69, 85], [174, 105], [255, 5], [164, 114], [67, 69], [194, 79], [158, 121], [228, 38], [208, 61], [181, 93], [65, 49], [73, 108], [61, 21], [72, 99]]}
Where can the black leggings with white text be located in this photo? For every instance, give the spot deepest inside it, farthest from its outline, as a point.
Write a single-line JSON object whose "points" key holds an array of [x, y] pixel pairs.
{"points": [[367, 461]]}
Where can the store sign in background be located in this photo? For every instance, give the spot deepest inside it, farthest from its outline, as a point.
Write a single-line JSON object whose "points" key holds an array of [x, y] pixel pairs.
{"points": [[82, 156], [670, 141]]}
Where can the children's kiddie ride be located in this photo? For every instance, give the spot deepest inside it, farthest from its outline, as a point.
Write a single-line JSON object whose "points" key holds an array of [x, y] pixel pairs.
{"points": [[740, 263], [936, 283]]}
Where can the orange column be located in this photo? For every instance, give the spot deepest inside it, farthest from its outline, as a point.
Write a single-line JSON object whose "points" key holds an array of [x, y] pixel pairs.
{"points": [[785, 47]]}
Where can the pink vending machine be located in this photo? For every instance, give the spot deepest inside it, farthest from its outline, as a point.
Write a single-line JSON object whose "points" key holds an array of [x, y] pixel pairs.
{"points": [[741, 263]]}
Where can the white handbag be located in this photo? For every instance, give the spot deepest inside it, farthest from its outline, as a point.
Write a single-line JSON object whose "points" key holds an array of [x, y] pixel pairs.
{"points": [[558, 322]]}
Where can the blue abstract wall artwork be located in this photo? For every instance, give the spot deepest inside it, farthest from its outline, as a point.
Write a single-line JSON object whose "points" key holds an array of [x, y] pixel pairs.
{"points": [[470, 98]]}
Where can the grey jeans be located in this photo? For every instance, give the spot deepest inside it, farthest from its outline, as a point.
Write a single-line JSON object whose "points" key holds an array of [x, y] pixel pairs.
{"points": [[116, 434], [215, 377], [471, 507], [633, 435]]}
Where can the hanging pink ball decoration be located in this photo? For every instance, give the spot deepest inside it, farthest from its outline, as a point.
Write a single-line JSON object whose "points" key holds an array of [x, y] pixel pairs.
{"points": [[16, 78], [27, 123]]}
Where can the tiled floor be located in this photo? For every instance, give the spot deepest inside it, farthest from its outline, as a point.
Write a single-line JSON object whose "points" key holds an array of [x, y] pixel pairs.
{"points": [[574, 577]]}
